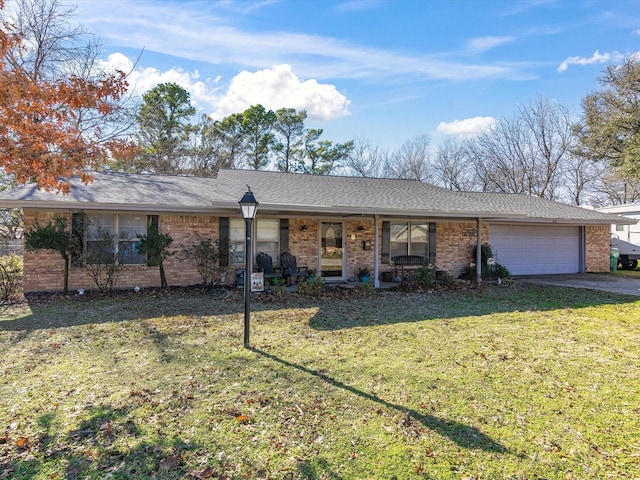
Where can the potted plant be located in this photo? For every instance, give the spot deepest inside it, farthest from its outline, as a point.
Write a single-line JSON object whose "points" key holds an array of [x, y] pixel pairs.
{"points": [[363, 275]]}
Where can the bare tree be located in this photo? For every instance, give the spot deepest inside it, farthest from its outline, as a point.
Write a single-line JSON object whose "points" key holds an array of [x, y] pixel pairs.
{"points": [[452, 166], [11, 219], [614, 186], [53, 43], [582, 175], [411, 161], [527, 153], [366, 159]]}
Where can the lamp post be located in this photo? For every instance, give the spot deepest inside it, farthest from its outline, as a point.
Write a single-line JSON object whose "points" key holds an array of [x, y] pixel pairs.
{"points": [[249, 207]]}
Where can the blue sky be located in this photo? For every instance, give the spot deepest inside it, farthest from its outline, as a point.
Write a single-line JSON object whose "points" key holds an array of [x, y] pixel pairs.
{"points": [[380, 70]]}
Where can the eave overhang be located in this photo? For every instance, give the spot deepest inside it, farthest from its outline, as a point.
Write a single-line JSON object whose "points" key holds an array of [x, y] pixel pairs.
{"points": [[232, 209]]}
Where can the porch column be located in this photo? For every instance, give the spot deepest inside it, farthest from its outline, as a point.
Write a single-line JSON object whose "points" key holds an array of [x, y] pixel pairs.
{"points": [[582, 250], [376, 256], [479, 251]]}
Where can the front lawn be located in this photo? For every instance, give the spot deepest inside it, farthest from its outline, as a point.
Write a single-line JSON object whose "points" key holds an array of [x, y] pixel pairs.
{"points": [[516, 381]]}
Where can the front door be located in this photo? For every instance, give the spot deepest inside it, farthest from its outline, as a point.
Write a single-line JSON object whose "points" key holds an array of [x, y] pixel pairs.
{"points": [[332, 255]]}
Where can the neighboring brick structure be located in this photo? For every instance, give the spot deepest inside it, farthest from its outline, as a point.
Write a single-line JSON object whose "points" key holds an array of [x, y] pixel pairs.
{"points": [[597, 248]]}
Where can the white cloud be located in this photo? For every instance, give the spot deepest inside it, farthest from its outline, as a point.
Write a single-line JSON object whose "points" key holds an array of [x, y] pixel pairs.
{"points": [[203, 92], [275, 88], [597, 57], [469, 127], [482, 44], [279, 87]]}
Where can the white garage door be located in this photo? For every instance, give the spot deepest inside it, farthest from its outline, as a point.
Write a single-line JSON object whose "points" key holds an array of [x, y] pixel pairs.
{"points": [[530, 250]]}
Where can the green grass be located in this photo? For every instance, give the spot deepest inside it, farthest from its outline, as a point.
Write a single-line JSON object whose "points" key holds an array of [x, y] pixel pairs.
{"points": [[635, 273], [516, 382]]}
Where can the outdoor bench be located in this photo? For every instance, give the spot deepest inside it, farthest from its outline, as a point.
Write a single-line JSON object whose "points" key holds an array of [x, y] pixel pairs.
{"points": [[406, 263]]}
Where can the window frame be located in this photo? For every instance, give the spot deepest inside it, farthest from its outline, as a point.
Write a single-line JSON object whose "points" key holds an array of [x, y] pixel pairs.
{"points": [[237, 240], [408, 234], [91, 225]]}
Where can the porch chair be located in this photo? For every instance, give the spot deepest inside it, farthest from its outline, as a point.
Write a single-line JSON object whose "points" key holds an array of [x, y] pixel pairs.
{"points": [[264, 262], [291, 270]]}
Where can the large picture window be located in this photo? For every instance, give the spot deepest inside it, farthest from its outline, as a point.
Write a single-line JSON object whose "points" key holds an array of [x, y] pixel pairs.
{"points": [[408, 238], [121, 232]]}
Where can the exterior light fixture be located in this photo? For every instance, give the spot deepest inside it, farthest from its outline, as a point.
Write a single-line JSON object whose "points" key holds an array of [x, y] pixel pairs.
{"points": [[249, 207]]}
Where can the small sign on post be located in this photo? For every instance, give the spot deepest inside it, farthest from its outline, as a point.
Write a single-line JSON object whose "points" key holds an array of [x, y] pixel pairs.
{"points": [[257, 282]]}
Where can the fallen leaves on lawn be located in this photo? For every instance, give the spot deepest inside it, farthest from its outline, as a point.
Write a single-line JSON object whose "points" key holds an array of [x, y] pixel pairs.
{"points": [[23, 443], [243, 419]]}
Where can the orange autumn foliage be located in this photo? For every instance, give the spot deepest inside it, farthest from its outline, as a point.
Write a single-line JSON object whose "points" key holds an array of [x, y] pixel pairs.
{"points": [[40, 137]]}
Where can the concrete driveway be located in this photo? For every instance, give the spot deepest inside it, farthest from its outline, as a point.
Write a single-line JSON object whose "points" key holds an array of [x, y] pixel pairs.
{"points": [[593, 281]]}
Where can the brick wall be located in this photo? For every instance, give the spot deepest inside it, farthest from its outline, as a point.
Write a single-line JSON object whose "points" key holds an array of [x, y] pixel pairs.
{"points": [[44, 269], [597, 249], [357, 256], [184, 229], [455, 243], [303, 244]]}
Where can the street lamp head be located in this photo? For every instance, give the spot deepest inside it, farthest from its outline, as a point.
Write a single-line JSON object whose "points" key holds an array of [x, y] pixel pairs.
{"points": [[248, 204]]}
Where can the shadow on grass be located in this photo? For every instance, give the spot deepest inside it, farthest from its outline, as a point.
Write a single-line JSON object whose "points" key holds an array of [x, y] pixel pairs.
{"points": [[333, 312], [396, 307], [463, 435], [105, 443]]}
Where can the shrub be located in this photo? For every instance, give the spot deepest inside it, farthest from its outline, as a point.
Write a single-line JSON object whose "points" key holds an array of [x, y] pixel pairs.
{"points": [[102, 261], [313, 286], [156, 246], [10, 277], [276, 289], [426, 274], [488, 272], [205, 255]]}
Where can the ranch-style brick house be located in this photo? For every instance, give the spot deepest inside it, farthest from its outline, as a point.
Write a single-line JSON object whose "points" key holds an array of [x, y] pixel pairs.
{"points": [[331, 224]]}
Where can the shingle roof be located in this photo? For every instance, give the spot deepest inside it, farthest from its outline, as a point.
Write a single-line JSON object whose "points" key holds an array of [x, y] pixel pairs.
{"points": [[297, 193]]}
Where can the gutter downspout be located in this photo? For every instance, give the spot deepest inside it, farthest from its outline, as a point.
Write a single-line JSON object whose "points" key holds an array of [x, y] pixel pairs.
{"points": [[376, 246], [479, 251]]}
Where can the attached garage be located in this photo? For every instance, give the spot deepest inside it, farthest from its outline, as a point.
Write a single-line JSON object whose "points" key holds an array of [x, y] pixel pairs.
{"points": [[537, 249]]}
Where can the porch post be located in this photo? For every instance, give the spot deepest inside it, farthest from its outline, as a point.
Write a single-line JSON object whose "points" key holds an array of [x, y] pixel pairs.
{"points": [[479, 251], [582, 249], [376, 263]]}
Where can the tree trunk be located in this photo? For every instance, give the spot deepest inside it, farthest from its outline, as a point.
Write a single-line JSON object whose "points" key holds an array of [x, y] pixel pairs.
{"points": [[163, 278], [67, 260]]}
